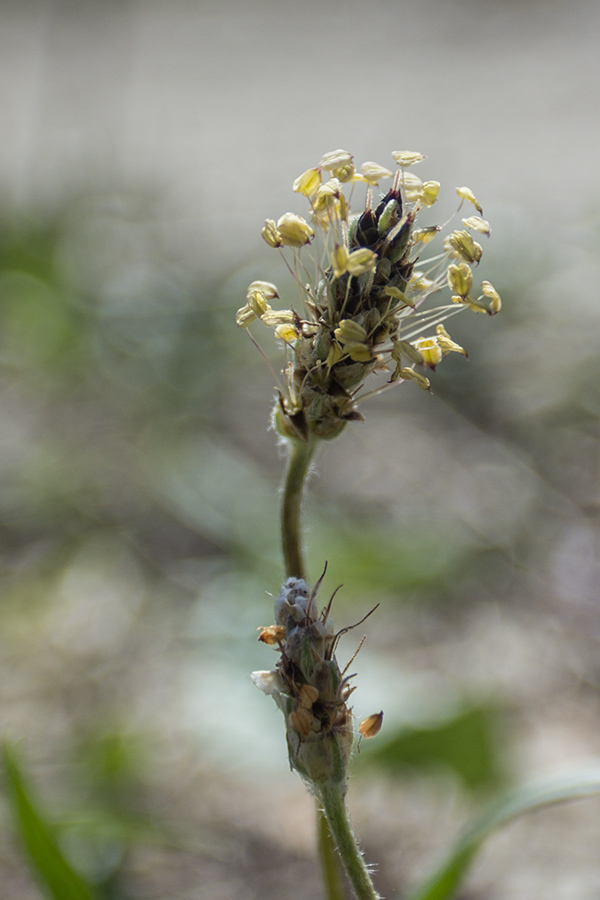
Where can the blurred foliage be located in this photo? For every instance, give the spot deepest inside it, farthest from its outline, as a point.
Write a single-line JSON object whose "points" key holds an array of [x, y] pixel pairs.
{"points": [[466, 744], [58, 878], [138, 515]]}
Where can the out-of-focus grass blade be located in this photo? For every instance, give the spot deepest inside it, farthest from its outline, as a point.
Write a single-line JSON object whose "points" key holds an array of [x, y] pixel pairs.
{"points": [[55, 875], [443, 883]]}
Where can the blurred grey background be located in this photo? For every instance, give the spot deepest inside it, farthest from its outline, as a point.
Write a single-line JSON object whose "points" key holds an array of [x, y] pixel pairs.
{"points": [[143, 145]]}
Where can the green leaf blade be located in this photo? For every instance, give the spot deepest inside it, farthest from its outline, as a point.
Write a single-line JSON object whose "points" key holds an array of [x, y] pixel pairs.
{"points": [[443, 883], [55, 875]]}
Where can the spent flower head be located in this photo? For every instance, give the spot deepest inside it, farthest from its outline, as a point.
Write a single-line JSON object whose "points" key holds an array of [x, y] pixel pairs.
{"points": [[308, 686], [364, 280]]}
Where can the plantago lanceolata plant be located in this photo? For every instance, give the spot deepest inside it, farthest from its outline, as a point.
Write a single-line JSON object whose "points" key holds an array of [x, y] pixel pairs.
{"points": [[374, 295]]}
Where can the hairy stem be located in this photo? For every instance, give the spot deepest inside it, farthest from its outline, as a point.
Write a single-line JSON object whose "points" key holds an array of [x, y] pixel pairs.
{"points": [[332, 796], [300, 454], [330, 862]]}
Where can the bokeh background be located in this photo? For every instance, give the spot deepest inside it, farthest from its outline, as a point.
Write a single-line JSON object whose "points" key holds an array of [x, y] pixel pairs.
{"points": [[143, 144]]}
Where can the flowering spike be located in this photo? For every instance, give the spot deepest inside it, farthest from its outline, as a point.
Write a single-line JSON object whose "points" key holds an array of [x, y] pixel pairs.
{"points": [[360, 312], [309, 688]]}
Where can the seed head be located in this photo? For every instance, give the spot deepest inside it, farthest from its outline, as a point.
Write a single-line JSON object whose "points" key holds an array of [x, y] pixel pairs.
{"points": [[308, 686]]}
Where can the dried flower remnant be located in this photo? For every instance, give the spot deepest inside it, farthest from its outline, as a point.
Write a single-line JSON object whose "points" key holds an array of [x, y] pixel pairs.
{"points": [[362, 298], [371, 726], [308, 686]]}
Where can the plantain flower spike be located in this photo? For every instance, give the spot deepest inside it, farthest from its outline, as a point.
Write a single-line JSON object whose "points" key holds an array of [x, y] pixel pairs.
{"points": [[365, 280], [309, 687]]}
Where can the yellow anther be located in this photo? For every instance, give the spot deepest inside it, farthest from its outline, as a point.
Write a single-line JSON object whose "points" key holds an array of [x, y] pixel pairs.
{"points": [[410, 375], [396, 294], [430, 350], [358, 352], [294, 231], [244, 316], [258, 303], [406, 158], [270, 233], [446, 343], [286, 333], [275, 317], [350, 331], [430, 193], [425, 235], [466, 193], [373, 172], [460, 279], [339, 164], [268, 290], [361, 260], [495, 304], [462, 244], [308, 183], [412, 187], [339, 259], [477, 224]]}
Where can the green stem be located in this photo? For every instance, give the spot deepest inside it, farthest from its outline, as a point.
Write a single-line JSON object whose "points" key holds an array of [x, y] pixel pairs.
{"points": [[334, 807], [330, 861], [300, 455], [333, 824]]}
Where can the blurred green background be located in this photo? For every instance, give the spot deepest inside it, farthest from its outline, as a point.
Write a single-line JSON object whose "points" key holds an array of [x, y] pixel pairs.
{"points": [[144, 143]]}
